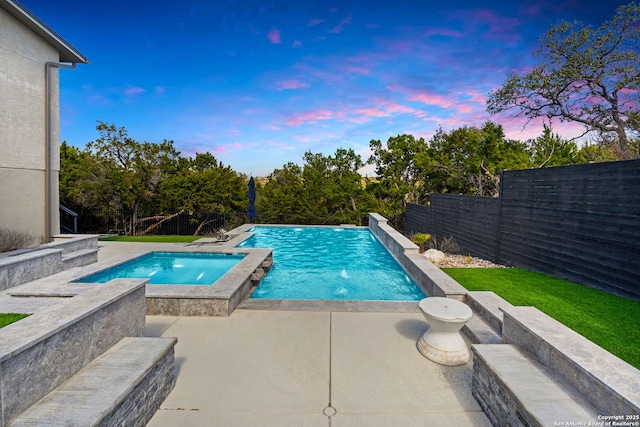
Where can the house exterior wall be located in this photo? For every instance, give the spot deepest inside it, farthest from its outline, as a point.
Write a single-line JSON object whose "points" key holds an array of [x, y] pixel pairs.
{"points": [[23, 56]]}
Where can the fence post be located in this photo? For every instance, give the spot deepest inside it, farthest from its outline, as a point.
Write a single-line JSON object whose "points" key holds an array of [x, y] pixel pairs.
{"points": [[499, 222]]}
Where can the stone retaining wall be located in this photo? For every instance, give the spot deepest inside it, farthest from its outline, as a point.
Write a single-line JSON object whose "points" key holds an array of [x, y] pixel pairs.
{"points": [[433, 281], [73, 242], [24, 266], [42, 351]]}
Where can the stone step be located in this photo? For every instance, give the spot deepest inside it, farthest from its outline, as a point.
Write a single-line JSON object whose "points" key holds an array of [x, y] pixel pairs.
{"points": [[513, 388], [479, 331], [487, 305], [80, 258], [610, 383], [124, 386]]}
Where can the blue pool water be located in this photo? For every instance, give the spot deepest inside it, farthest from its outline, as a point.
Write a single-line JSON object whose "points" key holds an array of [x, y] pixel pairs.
{"points": [[322, 263], [171, 268]]}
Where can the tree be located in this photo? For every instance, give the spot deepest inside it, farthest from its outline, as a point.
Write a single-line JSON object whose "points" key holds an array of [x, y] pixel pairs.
{"points": [[202, 184], [76, 186], [397, 167], [469, 160], [590, 76], [550, 149], [399, 175], [325, 189], [283, 193], [128, 172]]}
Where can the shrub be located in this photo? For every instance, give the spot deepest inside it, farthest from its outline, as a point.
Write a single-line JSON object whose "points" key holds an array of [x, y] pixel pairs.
{"points": [[420, 239], [10, 240], [447, 245]]}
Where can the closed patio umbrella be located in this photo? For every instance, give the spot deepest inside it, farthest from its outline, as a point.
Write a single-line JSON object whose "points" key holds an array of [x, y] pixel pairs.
{"points": [[251, 213]]}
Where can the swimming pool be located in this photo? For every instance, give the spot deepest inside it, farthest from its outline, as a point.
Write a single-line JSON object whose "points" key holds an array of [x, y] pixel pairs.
{"points": [[330, 263], [171, 268]]}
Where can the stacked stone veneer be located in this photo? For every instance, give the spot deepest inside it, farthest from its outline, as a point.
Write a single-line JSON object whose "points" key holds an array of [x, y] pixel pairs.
{"points": [[40, 352], [433, 281], [499, 405], [24, 266], [144, 400]]}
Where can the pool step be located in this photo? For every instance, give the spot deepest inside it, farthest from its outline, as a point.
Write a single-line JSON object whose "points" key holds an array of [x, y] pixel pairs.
{"points": [[267, 263], [257, 276]]}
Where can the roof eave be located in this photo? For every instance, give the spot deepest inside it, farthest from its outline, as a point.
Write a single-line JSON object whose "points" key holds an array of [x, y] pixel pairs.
{"points": [[67, 52]]}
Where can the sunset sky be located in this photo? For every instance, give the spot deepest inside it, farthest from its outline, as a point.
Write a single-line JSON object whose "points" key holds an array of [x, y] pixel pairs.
{"points": [[259, 83]]}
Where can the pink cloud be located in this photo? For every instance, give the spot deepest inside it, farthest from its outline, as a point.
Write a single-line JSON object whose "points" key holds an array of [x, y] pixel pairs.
{"points": [[464, 108], [520, 128], [274, 127], [373, 112], [358, 70], [432, 99], [290, 84], [296, 43], [476, 96], [360, 120], [314, 22], [312, 116], [397, 108], [274, 36], [226, 148], [384, 108]]}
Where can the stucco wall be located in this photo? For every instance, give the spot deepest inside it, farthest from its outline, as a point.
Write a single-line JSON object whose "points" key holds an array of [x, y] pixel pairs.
{"points": [[23, 55]]}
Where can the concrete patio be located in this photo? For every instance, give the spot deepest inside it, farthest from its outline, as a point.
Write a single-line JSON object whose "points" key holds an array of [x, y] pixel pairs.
{"points": [[295, 368], [307, 368]]}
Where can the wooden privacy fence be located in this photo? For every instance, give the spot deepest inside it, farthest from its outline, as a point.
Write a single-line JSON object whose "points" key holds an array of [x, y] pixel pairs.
{"points": [[580, 223]]}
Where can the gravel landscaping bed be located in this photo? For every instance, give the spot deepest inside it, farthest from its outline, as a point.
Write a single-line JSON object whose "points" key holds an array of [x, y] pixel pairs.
{"points": [[462, 261]]}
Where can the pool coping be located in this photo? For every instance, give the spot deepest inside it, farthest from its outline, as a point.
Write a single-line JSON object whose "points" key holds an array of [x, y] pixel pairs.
{"points": [[161, 299]]}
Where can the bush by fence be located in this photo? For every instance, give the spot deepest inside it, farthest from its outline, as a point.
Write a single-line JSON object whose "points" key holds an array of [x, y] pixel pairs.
{"points": [[580, 223]]}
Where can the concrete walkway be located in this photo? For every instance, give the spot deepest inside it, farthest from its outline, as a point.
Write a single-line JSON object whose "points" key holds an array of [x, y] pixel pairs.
{"points": [[307, 368]]}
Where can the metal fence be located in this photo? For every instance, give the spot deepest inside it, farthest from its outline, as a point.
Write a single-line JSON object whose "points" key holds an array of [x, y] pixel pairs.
{"points": [[113, 221], [580, 223]]}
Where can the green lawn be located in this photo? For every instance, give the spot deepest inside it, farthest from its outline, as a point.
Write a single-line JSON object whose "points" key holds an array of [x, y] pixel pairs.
{"points": [[611, 322], [152, 239], [9, 318]]}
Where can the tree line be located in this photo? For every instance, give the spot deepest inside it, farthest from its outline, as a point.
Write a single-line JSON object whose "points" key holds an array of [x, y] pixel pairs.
{"points": [[143, 179]]}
